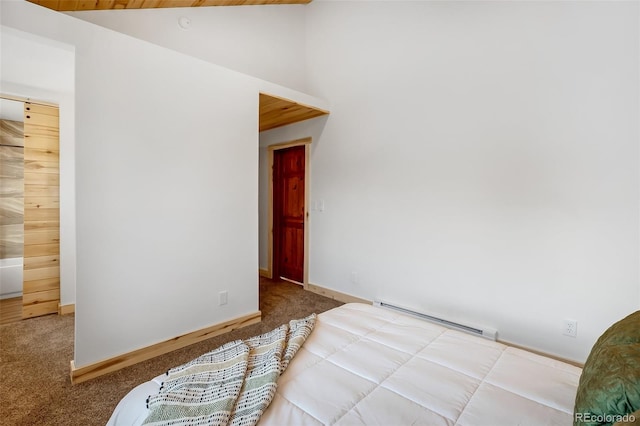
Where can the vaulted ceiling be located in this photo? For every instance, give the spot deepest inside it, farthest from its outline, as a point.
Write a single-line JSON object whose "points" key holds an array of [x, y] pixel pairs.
{"points": [[274, 111], [76, 5]]}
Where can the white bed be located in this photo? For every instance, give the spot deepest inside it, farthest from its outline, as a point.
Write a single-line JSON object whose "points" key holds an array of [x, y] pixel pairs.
{"points": [[367, 365]]}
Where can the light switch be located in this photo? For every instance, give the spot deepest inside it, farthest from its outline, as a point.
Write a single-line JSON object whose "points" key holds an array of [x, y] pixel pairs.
{"points": [[321, 205]]}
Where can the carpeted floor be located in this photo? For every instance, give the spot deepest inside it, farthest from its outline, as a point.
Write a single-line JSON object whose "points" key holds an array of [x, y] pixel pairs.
{"points": [[35, 388]]}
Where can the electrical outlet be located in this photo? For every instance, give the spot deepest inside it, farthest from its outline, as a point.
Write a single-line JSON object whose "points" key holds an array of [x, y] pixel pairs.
{"points": [[570, 328], [222, 297]]}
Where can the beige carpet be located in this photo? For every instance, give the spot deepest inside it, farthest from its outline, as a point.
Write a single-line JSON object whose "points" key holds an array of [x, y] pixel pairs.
{"points": [[35, 388]]}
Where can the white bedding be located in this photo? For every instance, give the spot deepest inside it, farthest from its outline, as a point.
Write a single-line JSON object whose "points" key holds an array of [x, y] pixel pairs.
{"points": [[370, 366]]}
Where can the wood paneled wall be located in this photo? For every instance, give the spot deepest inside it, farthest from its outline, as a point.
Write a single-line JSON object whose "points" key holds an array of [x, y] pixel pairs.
{"points": [[41, 288], [11, 189]]}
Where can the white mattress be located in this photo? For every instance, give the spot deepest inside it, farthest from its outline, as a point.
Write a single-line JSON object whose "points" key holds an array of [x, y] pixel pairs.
{"points": [[370, 366]]}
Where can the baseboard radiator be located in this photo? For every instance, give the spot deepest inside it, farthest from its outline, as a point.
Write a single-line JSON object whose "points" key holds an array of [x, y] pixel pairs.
{"points": [[486, 332]]}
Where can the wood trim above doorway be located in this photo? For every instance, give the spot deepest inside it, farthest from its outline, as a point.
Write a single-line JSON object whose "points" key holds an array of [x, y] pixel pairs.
{"points": [[23, 99], [271, 148], [284, 145]]}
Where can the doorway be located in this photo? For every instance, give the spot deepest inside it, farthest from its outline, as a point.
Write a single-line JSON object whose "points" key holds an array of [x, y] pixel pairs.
{"points": [[289, 190], [31, 212], [11, 209]]}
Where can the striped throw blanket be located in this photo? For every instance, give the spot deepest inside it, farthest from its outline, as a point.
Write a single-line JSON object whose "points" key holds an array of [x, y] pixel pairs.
{"points": [[231, 385]]}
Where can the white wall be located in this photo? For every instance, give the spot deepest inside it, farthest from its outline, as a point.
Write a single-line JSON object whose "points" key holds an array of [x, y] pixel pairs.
{"points": [[159, 231], [264, 41], [10, 109], [167, 218], [263, 207], [166, 186], [480, 161], [43, 70]]}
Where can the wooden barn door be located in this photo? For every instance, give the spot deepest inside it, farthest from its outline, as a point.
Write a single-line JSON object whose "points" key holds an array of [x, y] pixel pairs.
{"points": [[289, 213], [41, 282]]}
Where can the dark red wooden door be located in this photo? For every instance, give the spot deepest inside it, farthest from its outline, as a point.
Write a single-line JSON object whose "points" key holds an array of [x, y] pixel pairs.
{"points": [[288, 209]]}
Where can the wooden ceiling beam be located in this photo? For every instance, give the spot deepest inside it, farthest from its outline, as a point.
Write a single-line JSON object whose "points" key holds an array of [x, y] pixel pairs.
{"points": [[77, 5], [277, 112]]}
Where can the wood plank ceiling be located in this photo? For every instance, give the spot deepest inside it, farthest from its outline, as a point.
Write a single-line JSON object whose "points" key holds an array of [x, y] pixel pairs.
{"points": [[76, 5], [276, 112]]}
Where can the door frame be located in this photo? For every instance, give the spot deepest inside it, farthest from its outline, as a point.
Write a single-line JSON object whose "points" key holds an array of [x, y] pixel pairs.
{"points": [[42, 280], [306, 142]]}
